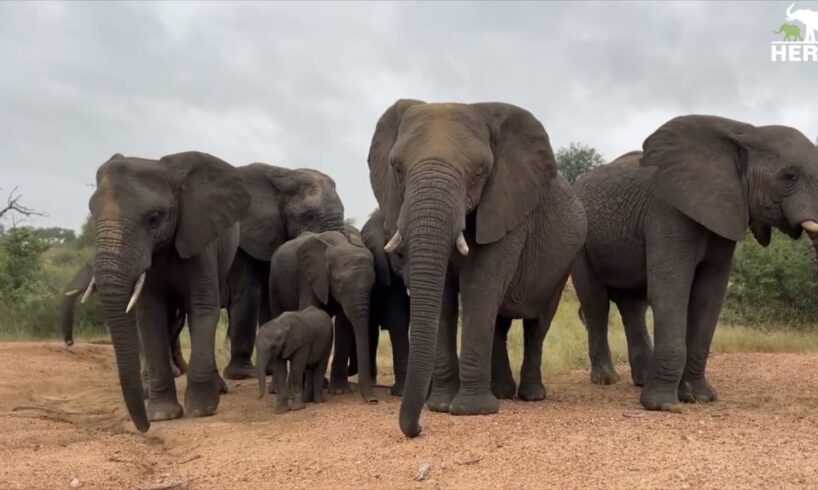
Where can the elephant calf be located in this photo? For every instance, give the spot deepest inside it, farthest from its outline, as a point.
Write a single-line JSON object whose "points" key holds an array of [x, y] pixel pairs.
{"points": [[304, 338]]}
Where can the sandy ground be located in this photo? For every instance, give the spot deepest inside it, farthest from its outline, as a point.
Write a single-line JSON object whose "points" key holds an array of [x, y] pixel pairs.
{"points": [[62, 420]]}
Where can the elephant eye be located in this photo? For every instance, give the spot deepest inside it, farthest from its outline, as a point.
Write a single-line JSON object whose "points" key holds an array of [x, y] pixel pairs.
{"points": [[154, 218], [789, 176]]}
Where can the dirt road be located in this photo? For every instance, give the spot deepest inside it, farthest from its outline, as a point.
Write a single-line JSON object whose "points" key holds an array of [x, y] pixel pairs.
{"points": [[62, 420]]}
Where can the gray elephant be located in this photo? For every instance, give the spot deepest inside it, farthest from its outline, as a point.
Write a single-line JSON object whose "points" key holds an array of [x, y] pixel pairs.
{"points": [[663, 226], [167, 232], [304, 338], [479, 179], [81, 286], [332, 271], [285, 203], [390, 301]]}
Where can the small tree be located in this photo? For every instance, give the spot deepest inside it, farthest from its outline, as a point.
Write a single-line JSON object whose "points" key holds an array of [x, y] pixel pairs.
{"points": [[88, 233], [15, 208], [577, 159]]}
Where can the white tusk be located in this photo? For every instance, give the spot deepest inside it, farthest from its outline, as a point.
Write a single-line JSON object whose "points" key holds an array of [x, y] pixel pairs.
{"points": [[408, 293], [392, 245], [73, 292], [462, 246], [137, 290], [810, 226], [88, 290]]}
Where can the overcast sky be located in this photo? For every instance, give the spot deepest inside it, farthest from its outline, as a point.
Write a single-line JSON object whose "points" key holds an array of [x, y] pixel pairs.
{"points": [[302, 85]]}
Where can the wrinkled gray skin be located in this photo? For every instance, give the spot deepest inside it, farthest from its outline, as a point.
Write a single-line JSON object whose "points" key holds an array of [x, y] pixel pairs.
{"points": [[390, 301], [176, 220], [486, 170], [334, 272], [304, 338], [75, 289], [662, 229], [285, 203]]}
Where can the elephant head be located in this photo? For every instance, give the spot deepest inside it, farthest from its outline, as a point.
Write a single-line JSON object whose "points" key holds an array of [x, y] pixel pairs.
{"points": [[274, 342], [177, 204], [437, 170], [286, 203], [339, 268], [727, 174]]}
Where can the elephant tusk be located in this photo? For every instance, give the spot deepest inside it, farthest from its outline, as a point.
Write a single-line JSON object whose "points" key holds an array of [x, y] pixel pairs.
{"points": [[73, 292], [88, 290], [392, 245], [810, 226], [408, 293], [462, 246], [137, 290]]}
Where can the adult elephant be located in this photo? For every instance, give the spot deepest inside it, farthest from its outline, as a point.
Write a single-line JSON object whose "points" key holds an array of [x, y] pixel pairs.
{"points": [[478, 177], [390, 301], [663, 225], [332, 271], [82, 286], [285, 203], [167, 232]]}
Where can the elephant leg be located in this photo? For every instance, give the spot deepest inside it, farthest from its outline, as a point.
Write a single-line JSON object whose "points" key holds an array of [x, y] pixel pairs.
{"points": [[243, 313], [280, 382], [344, 344], [153, 332], [397, 319], [446, 373], [318, 378], [203, 381], [709, 288], [502, 381], [309, 390], [298, 366], [670, 277], [595, 304], [531, 384], [633, 307]]}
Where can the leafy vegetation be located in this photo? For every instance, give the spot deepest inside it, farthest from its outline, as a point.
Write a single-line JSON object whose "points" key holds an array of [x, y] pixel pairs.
{"points": [[577, 159]]}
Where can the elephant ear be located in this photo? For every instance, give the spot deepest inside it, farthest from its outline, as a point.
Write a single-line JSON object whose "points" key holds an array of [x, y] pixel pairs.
{"points": [[374, 239], [523, 166], [312, 260], [381, 174], [212, 198], [761, 232], [295, 340], [699, 162], [262, 228]]}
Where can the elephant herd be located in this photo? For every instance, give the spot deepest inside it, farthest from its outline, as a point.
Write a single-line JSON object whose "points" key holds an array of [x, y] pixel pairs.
{"points": [[474, 228]]}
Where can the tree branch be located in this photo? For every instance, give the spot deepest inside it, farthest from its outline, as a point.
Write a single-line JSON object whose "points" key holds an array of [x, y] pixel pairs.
{"points": [[14, 205]]}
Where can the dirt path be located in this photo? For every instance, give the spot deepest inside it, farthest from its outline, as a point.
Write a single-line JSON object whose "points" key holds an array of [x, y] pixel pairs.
{"points": [[62, 417]]}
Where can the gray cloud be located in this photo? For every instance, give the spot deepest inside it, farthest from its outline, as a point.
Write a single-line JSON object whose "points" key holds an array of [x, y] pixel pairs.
{"points": [[303, 84]]}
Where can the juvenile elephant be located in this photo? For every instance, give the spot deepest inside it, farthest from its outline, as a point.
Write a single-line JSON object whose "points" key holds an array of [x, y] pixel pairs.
{"points": [[167, 232], [304, 338], [390, 302], [663, 225], [285, 203], [334, 272], [479, 178], [82, 286]]}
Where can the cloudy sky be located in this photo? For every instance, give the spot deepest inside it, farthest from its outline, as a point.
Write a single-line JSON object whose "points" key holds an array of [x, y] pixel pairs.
{"points": [[302, 85]]}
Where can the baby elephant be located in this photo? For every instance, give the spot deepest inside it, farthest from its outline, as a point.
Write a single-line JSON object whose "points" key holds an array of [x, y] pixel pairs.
{"points": [[305, 339]]}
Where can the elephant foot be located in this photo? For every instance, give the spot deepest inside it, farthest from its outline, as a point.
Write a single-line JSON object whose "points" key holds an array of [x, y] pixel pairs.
{"points": [[281, 407], [319, 397], [339, 386], [653, 398], [479, 404], [604, 375], [697, 391], [639, 375], [532, 391], [202, 399], [503, 388], [440, 399], [239, 370], [163, 409], [396, 389], [297, 404]]}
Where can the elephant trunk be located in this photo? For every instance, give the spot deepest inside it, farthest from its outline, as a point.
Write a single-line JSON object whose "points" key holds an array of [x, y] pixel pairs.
{"points": [[433, 214], [358, 314], [67, 306], [262, 361], [115, 279], [789, 11]]}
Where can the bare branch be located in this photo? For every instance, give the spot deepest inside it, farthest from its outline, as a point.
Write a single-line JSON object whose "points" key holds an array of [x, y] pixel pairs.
{"points": [[15, 206]]}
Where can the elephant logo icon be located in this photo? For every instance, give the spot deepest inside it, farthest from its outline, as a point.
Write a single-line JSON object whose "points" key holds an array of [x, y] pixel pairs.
{"points": [[791, 32], [794, 46], [805, 16]]}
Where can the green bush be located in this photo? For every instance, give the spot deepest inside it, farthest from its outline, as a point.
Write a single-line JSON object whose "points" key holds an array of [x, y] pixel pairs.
{"points": [[773, 286]]}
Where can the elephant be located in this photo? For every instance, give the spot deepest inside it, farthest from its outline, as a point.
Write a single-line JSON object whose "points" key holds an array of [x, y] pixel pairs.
{"points": [[167, 232], [663, 225], [332, 271], [791, 32], [389, 302], [481, 179], [285, 203], [807, 17], [305, 339], [81, 285]]}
